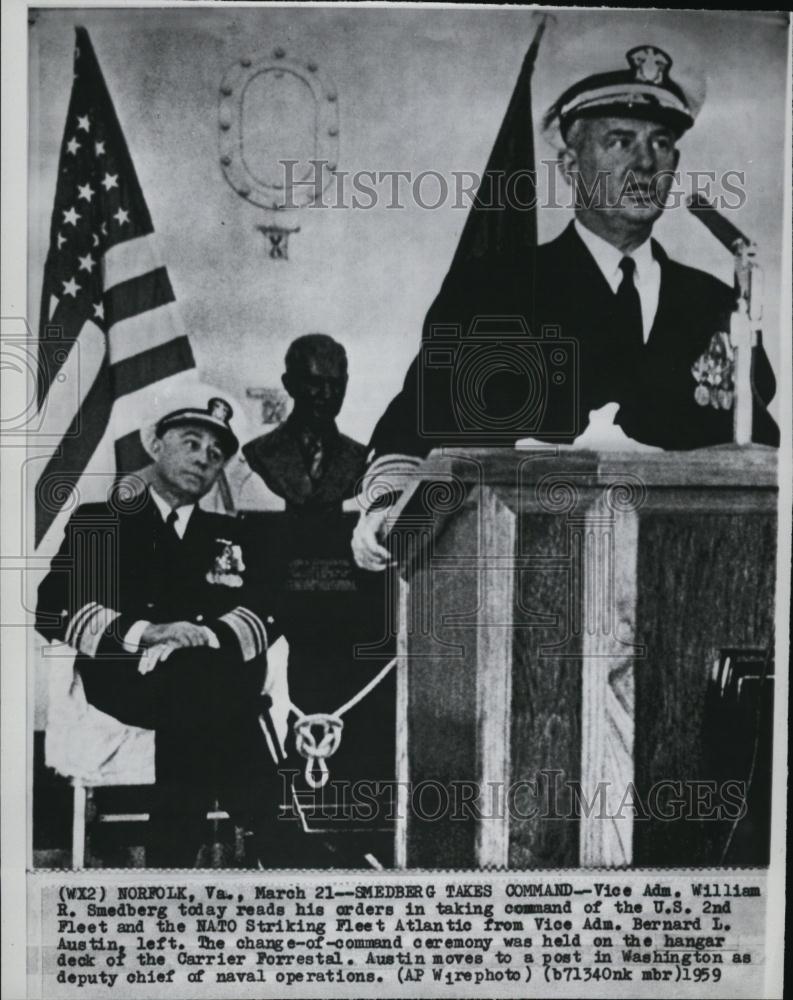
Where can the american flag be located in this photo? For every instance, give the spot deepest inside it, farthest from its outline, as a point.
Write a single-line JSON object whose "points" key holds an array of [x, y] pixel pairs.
{"points": [[108, 322]]}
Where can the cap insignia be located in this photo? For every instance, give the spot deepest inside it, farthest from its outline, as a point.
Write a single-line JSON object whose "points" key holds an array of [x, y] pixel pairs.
{"points": [[220, 409], [649, 64]]}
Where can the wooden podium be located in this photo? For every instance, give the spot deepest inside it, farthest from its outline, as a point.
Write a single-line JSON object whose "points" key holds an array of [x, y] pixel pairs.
{"points": [[559, 619]]}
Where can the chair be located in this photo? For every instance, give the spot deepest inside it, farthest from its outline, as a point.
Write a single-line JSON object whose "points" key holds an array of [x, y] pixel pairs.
{"points": [[92, 749], [88, 747]]}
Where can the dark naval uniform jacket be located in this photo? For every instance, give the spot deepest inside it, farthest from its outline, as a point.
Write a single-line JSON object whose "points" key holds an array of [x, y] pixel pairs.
{"points": [[120, 563], [530, 342]]}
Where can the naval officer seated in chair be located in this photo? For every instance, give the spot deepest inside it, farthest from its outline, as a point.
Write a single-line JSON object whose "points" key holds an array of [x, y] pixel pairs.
{"points": [[171, 630]]}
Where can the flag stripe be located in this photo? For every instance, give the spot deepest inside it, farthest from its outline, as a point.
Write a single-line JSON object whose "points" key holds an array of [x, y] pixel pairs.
{"points": [[142, 409], [142, 369], [56, 344], [130, 453], [67, 392], [143, 332], [137, 295], [63, 471], [128, 259], [87, 428]]}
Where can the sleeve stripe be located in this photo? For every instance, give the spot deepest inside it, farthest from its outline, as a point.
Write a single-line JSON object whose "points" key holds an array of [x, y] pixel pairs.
{"points": [[75, 625], [86, 626], [242, 637], [256, 624], [387, 477], [398, 465], [92, 633], [133, 636], [249, 630]]}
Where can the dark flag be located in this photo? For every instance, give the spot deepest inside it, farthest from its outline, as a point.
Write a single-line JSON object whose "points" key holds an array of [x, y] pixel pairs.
{"points": [[451, 376], [503, 218], [107, 322]]}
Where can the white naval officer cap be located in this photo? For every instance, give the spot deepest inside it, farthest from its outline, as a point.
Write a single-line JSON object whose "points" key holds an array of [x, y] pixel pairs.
{"points": [[199, 404], [216, 416], [647, 85]]}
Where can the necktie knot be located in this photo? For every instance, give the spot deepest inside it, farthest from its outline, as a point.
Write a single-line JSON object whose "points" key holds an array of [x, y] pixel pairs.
{"points": [[628, 268], [172, 518]]}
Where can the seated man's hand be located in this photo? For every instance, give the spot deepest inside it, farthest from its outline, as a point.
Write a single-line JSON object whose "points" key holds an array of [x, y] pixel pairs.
{"points": [[152, 656], [367, 547], [176, 634]]}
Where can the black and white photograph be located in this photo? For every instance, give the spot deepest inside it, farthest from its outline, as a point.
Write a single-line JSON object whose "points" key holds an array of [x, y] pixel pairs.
{"points": [[396, 499]]}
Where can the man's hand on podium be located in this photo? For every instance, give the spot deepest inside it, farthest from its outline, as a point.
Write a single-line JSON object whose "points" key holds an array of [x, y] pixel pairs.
{"points": [[367, 541], [603, 434]]}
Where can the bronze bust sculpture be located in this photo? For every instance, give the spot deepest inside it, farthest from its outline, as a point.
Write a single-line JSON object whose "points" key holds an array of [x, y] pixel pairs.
{"points": [[306, 460]]}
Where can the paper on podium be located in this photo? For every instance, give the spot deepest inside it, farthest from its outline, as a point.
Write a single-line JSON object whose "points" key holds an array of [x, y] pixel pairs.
{"points": [[601, 434]]}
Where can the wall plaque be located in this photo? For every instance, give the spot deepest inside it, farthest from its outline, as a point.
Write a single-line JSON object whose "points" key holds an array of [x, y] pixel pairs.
{"points": [[279, 130]]}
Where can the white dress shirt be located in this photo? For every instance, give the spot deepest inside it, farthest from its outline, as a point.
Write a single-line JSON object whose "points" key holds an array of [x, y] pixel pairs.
{"points": [[182, 513], [135, 632], [646, 277]]}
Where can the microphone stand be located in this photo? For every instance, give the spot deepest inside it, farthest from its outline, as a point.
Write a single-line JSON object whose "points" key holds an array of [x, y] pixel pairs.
{"points": [[745, 333]]}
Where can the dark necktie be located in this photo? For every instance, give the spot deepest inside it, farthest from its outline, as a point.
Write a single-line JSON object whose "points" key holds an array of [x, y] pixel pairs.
{"points": [[629, 309], [314, 455], [317, 457], [170, 522]]}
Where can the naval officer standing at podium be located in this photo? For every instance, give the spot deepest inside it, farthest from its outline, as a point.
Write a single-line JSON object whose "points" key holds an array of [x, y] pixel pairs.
{"points": [[628, 324]]}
